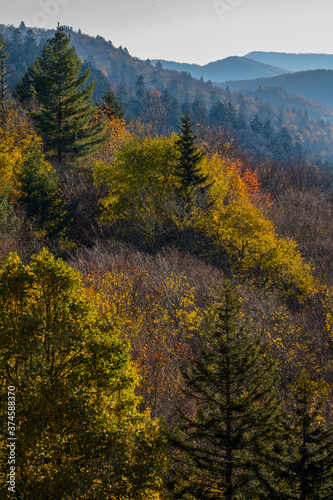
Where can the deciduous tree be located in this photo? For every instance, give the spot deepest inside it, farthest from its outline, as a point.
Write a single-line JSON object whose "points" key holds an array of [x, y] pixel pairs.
{"points": [[81, 435]]}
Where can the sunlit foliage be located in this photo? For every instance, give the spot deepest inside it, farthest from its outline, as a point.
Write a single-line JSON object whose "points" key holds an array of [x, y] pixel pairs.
{"points": [[80, 430]]}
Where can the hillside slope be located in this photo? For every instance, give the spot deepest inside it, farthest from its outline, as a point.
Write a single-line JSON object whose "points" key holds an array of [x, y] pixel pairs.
{"points": [[278, 96], [230, 68], [160, 96], [316, 85], [294, 62]]}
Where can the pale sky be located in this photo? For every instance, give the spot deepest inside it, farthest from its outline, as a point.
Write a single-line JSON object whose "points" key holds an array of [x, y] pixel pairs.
{"points": [[194, 31]]}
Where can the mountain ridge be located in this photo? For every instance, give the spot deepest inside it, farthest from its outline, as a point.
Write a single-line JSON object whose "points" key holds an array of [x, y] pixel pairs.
{"points": [[294, 62], [158, 96], [313, 84], [233, 65]]}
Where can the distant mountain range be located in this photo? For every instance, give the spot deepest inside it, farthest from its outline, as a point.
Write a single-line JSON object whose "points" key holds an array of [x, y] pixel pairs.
{"points": [[293, 62], [316, 85], [159, 96], [230, 68]]}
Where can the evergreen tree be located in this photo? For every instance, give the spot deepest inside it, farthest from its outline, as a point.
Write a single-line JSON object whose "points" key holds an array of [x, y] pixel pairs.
{"points": [[187, 168], [199, 111], [217, 114], [256, 124], [305, 472], [3, 69], [23, 91], [240, 122], [230, 114], [30, 48], [283, 146], [140, 87], [66, 110], [111, 105], [172, 108], [236, 420], [41, 196], [16, 49], [268, 130]]}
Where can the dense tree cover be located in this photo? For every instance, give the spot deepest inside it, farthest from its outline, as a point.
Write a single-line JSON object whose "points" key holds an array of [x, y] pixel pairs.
{"points": [[306, 470], [40, 195], [143, 189], [150, 255], [80, 431], [28, 179], [203, 101], [235, 423]]}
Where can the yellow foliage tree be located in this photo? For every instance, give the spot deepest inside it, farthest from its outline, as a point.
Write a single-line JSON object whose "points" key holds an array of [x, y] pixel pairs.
{"points": [[141, 165], [80, 432], [16, 134], [159, 320], [142, 191], [237, 224]]}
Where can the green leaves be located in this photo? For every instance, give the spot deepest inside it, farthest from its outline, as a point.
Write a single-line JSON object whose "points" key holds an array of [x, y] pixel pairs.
{"points": [[79, 427]]}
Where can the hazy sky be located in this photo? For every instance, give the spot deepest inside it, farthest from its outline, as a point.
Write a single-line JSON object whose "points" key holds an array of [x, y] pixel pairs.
{"points": [[196, 31]]}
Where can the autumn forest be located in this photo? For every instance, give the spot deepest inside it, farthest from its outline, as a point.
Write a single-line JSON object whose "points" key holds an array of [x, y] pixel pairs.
{"points": [[166, 286]]}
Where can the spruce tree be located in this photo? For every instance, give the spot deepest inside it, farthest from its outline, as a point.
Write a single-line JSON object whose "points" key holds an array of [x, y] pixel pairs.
{"points": [[65, 121], [23, 91], [187, 169], [5, 74], [16, 49], [40, 195], [111, 105], [237, 419], [140, 87], [3, 68], [305, 471], [30, 47]]}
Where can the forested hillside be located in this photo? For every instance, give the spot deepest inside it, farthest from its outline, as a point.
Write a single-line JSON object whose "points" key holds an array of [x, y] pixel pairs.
{"points": [[315, 84], [160, 96], [230, 68], [165, 294]]}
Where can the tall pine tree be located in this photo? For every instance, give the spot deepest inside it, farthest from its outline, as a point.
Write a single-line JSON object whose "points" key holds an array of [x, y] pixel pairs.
{"points": [[4, 90], [40, 194], [187, 169], [111, 105], [237, 420], [66, 108], [305, 470]]}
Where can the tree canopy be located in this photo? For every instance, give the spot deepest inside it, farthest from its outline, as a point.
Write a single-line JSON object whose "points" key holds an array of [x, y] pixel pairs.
{"points": [[80, 430], [64, 121]]}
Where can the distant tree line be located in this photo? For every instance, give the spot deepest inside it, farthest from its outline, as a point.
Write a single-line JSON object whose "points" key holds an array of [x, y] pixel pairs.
{"points": [[159, 96]]}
